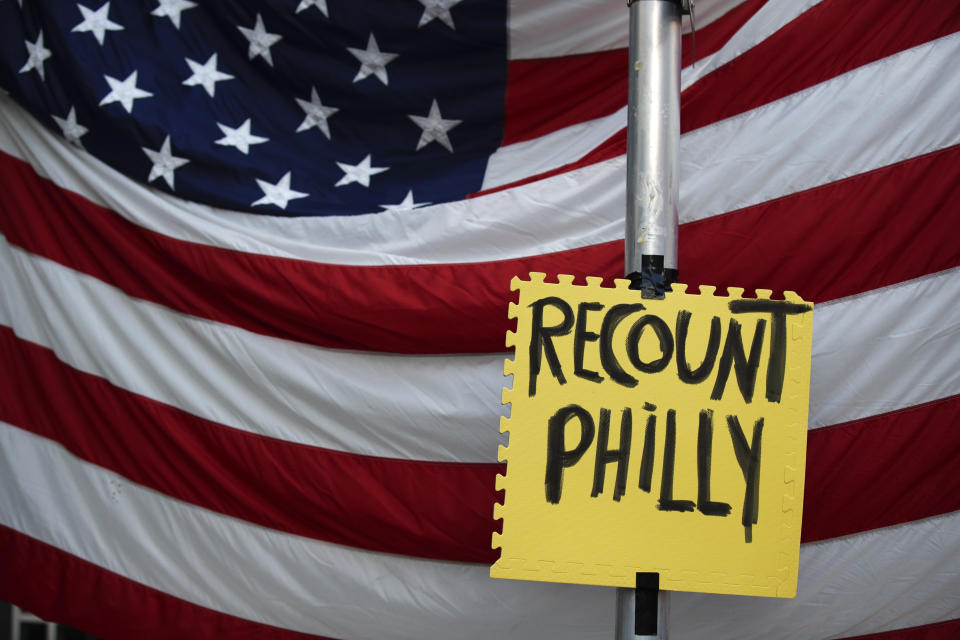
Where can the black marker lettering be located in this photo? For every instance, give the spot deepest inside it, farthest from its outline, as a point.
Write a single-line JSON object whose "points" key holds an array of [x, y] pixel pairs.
{"points": [[705, 505], [580, 337], [713, 346], [558, 456], [745, 368], [666, 502], [611, 320], [541, 339], [779, 309], [748, 457], [649, 442], [666, 344], [605, 456]]}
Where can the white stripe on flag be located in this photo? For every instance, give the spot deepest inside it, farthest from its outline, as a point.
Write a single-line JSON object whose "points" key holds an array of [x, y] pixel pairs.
{"points": [[872, 353], [862, 120], [257, 383], [881, 580], [228, 565], [532, 157], [772, 16], [899, 576], [885, 349], [582, 27]]}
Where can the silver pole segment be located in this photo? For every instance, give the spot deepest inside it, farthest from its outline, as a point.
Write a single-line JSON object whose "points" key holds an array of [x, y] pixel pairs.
{"points": [[653, 136], [626, 612], [653, 188]]}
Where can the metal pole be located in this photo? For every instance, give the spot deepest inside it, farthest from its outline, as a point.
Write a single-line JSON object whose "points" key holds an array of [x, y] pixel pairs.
{"points": [[626, 612], [653, 188], [653, 141]]}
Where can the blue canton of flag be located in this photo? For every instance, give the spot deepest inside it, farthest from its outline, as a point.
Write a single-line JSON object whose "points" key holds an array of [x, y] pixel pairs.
{"points": [[295, 107]]}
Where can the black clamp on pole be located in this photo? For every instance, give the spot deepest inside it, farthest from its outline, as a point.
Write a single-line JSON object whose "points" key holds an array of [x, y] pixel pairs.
{"points": [[646, 604], [653, 281]]}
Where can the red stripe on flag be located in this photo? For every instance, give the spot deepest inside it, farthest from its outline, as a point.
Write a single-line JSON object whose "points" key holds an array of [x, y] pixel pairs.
{"points": [[882, 470], [777, 245], [946, 630], [867, 231], [846, 37], [427, 509], [107, 605], [827, 40], [858, 477], [782, 244], [546, 94]]}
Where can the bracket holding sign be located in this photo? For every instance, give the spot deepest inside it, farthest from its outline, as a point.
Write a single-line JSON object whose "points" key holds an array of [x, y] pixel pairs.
{"points": [[662, 436]]}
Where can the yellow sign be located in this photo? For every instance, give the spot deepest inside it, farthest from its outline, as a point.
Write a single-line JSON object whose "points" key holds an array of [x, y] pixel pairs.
{"points": [[660, 436]]}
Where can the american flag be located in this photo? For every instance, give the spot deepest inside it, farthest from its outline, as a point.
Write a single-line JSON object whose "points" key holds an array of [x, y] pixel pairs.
{"points": [[255, 273]]}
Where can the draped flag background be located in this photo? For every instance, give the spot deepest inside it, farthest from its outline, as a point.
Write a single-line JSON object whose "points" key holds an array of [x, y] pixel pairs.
{"points": [[255, 268]]}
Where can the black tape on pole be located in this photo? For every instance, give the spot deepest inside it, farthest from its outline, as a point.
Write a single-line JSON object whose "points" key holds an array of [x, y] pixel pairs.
{"points": [[646, 603], [653, 280]]}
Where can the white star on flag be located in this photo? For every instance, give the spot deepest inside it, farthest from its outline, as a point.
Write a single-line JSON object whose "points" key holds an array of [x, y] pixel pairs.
{"points": [[360, 172], [437, 9], [36, 55], [206, 74], [241, 138], [260, 40], [124, 92], [407, 204], [164, 163], [372, 61], [172, 9], [316, 114], [97, 22], [279, 194], [319, 4], [71, 129], [435, 128]]}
